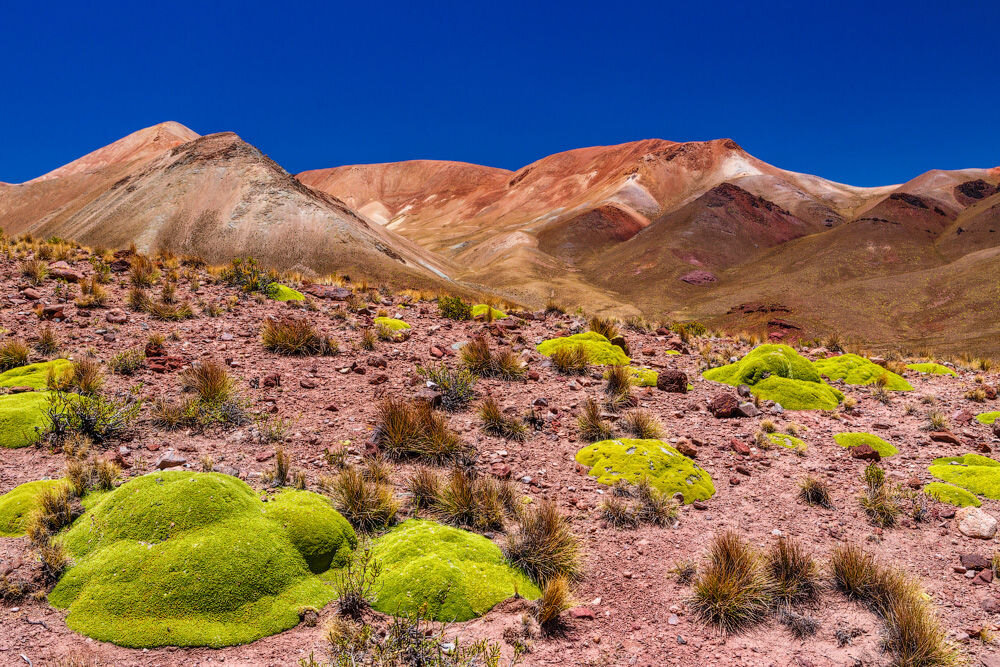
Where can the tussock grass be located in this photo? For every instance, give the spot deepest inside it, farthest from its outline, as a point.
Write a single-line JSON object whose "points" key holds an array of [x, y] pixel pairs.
{"points": [[593, 428], [368, 506], [481, 361], [556, 599], [604, 326], [424, 486], [209, 380], [543, 545], [795, 573], [815, 491], [457, 386], [295, 337], [13, 353], [414, 430], [735, 591], [571, 359], [495, 422], [643, 425]]}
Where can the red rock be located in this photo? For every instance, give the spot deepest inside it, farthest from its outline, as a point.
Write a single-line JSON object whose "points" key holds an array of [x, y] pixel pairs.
{"points": [[332, 408], [116, 316], [272, 380], [734, 481], [500, 470], [31, 294], [723, 405], [583, 613], [672, 381], [984, 577], [743, 470], [698, 277], [263, 456], [687, 449], [534, 376], [436, 352], [63, 271], [946, 437], [983, 448], [740, 447], [991, 392], [381, 378], [53, 312], [308, 383], [169, 459], [864, 453], [20, 390], [974, 561], [329, 292]]}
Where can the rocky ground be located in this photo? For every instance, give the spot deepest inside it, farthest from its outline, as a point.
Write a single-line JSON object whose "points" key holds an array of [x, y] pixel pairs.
{"points": [[631, 610]]}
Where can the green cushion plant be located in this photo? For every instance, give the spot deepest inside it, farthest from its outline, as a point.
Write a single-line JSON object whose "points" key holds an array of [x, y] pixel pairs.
{"points": [[599, 348], [19, 502], [632, 460], [391, 324], [284, 293], [849, 440], [952, 495], [973, 472], [857, 370], [479, 311], [932, 369]]}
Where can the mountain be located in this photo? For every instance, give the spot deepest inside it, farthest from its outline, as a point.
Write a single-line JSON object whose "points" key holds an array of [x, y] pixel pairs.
{"points": [[215, 196]]}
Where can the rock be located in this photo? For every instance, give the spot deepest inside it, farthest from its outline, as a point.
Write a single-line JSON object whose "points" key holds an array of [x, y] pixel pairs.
{"points": [[272, 380], [63, 271], [698, 277], [169, 459], [534, 376], [687, 449], [377, 362], [500, 470], [743, 390], [865, 453], [984, 577], [20, 390], [381, 378], [329, 292], [165, 364], [672, 381], [747, 410], [308, 383], [996, 428], [974, 522], [620, 342], [53, 312], [31, 294], [540, 402], [946, 437], [723, 405], [437, 352], [116, 316], [734, 481], [582, 613], [962, 417], [740, 447], [430, 395], [743, 470], [974, 562]]}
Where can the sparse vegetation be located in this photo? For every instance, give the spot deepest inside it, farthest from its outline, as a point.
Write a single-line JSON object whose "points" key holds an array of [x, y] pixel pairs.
{"points": [[735, 590], [495, 422], [543, 545], [295, 337], [593, 427], [571, 360], [13, 353], [369, 506], [503, 364], [457, 386], [414, 430]]}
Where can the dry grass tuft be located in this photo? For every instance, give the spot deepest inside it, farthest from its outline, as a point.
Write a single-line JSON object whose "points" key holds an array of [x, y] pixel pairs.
{"points": [[210, 380], [734, 592], [593, 428], [543, 545], [571, 359], [815, 492], [495, 422], [369, 506], [295, 337]]}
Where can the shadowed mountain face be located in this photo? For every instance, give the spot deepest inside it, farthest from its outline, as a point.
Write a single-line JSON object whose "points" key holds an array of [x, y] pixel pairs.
{"points": [[683, 230]]}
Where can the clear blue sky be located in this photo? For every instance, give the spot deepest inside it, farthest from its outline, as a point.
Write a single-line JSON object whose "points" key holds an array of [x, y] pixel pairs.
{"points": [[861, 92]]}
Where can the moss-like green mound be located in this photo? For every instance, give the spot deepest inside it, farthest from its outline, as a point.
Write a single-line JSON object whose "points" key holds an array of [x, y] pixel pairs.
{"points": [[952, 495], [789, 441], [988, 417], [196, 559], [666, 469], [973, 472], [672, 352], [600, 349], [18, 503], [848, 440], [391, 324], [479, 310], [285, 293], [853, 369], [642, 377], [34, 375], [780, 374], [459, 575], [932, 369], [22, 418]]}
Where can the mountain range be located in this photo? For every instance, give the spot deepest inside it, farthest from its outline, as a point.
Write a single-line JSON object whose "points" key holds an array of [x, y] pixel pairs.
{"points": [[689, 230]]}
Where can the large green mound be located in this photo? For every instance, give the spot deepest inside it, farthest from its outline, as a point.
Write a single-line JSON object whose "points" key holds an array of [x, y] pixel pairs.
{"points": [[849, 440], [391, 324], [285, 293], [479, 311], [988, 417], [196, 559], [932, 369], [973, 472], [780, 374], [952, 495], [22, 418], [853, 369], [19, 502], [787, 441], [34, 375], [459, 575], [600, 349], [632, 460]]}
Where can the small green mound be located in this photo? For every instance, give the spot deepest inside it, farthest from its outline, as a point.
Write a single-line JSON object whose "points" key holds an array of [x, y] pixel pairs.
{"points": [[391, 324], [196, 559], [788, 441], [848, 440], [16, 504], [973, 472], [285, 293], [479, 311], [932, 369], [23, 418], [459, 575], [988, 417], [34, 375], [952, 495], [853, 369], [600, 349], [672, 352], [666, 469], [780, 374], [642, 377]]}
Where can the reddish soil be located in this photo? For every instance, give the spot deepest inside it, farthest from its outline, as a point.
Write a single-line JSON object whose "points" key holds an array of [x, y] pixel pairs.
{"points": [[639, 613]]}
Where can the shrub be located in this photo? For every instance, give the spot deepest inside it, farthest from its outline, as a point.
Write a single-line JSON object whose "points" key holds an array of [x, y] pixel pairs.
{"points": [[209, 380], [555, 600], [247, 274], [454, 308], [97, 417], [142, 271], [295, 337], [815, 492], [593, 428], [571, 359], [13, 353], [414, 430], [369, 506], [457, 387], [734, 592], [48, 342], [355, 583], [543, 545], [127, 362], [480, 361], [495, 422], [794, 572], [34, 270]]}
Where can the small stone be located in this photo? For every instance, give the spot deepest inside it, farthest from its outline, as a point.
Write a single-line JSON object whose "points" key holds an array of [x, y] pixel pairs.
{"points": [[865, 453], [974, 522], [723, 405], [974, 561], [747, 410], [169, 459], [946, 437]]}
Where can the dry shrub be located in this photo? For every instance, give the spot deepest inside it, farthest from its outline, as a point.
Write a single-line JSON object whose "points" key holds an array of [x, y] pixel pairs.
{"points": [[369, 506], [295, 337], [543, 545], [734, 592], [414, 430]]}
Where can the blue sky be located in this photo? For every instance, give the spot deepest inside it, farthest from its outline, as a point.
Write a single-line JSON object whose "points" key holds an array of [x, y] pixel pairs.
{"points": [[864, 93]]}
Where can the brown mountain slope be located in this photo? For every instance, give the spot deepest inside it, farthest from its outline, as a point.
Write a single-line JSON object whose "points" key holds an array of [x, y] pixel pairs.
{"points": [[215, 196]]}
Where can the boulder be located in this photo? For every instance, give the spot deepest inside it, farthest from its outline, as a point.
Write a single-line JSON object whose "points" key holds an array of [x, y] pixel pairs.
{"points": [[747, 410], [723, 405], [63, 271], [974, 522], [116, 316], [946, 437], [865, 453], [672, 381]]}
